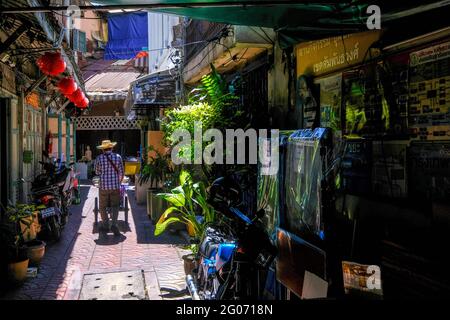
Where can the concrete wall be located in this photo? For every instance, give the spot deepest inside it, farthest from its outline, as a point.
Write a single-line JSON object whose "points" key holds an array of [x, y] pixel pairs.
{"points": [[236, 50], [160, 27]]}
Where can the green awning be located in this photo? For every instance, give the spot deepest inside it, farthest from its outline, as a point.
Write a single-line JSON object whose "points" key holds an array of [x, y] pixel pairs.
{"points": [[313, 21], [295, 21]]}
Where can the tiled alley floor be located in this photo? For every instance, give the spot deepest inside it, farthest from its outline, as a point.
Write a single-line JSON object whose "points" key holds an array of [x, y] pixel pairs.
{"points": [[80, 251]]}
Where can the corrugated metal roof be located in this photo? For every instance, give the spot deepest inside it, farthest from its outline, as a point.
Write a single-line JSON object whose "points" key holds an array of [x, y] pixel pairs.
{"points": [[95, 67], [111, 81], [108, 80]]}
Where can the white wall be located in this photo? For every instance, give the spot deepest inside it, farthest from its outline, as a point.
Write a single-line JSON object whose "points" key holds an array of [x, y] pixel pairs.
{"points": [[160, 35]]}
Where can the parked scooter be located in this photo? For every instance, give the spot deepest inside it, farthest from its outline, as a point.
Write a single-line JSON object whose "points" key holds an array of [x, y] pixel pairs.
{"points": [[50, 218], [55, 188], [232, 252]]}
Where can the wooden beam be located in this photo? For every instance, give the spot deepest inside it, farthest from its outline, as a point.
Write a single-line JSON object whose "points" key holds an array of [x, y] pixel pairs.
{"points": [[63, 106], [12, 38], [35, 85]]}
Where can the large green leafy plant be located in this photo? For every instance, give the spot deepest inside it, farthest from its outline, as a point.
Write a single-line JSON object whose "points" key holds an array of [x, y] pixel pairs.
{"points": [[211, 103], [157, 169], [11, 236], [186, 201]]}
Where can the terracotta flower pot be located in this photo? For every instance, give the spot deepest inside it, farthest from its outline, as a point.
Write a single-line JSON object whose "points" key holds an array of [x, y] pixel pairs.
{"points": [[18, 270], [36, 250]]}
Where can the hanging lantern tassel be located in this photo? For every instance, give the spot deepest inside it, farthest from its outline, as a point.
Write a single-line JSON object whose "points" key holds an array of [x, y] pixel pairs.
{"points": [[67, 86]]}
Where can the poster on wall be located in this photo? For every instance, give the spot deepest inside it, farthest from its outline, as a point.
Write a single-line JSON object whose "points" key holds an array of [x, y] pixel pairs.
{"points": [[330, 103], [353, 102], [366, 108], [429, 93], [395, 90]]}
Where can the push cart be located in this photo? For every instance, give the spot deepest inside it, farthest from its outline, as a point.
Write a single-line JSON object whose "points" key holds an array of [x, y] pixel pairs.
{"points": [[123, 206]]}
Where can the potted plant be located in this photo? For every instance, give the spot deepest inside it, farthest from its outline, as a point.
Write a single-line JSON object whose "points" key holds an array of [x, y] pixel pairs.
{"points": [[187, 202], [25, 218], [14, 254], [156, 171]]}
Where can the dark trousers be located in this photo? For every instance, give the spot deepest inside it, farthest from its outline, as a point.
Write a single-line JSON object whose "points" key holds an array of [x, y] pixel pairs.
{"points": [[109, 199]]}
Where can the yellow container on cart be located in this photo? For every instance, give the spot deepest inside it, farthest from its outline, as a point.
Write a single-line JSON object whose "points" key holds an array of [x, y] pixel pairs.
{"points": [[132, 167]]}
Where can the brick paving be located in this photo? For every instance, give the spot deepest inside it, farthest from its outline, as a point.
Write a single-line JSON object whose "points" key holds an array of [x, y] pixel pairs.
{"points": [[80, 251]]}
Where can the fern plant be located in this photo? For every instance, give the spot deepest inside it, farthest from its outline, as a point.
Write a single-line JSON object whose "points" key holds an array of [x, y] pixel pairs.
{"points": [[211, 103]]}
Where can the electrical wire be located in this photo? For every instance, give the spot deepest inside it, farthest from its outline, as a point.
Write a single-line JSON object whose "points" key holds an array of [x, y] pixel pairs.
{"points": [[204, 57], [211, 40], [265, 38], [268, 38]]}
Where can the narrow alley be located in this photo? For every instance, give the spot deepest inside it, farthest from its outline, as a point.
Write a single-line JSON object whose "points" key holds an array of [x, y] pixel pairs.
{"points": [[81, 252], [252, 150]]}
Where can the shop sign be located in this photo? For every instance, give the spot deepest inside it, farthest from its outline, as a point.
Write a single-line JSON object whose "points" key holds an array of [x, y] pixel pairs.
{"points": [[33, 100], [331, 54], [437, 52]]}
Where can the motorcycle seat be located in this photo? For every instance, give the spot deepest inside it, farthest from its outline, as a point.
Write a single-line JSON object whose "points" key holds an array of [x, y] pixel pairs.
{"points": [[44, 190]]}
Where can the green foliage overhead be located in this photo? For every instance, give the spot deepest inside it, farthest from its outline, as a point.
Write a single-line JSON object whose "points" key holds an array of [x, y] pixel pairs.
{"points": [[211, 104]]}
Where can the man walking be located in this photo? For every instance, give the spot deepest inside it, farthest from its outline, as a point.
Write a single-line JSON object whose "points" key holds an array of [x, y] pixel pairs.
{"points": [[109, 167]]}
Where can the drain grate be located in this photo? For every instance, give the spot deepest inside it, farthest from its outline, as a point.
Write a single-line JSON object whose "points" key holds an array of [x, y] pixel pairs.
{"points": [[128, 285]]}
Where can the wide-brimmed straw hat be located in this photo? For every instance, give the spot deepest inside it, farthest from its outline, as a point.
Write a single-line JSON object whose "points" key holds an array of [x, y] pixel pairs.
{"points": [[106, 144]]}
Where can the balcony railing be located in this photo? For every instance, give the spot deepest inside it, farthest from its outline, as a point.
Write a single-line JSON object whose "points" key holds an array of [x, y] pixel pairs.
{"points": [[105, 123]]}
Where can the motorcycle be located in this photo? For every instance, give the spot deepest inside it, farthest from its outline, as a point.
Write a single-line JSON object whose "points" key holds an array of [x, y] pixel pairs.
{"points": [[233, 252], [54, 188], [50, 218]]}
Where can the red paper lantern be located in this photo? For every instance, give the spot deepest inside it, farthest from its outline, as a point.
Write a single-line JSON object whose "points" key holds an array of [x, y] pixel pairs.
{"points": [[67, 86], [83, 104], [51, 63], [57, 67], [43, 62], [76, 96]]}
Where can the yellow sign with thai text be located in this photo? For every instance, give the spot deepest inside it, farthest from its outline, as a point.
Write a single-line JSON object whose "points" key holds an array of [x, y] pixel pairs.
{"points": [[332, 54]]}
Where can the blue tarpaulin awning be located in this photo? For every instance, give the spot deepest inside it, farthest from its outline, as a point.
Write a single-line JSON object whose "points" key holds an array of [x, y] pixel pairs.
{"points": [[127, 35]]}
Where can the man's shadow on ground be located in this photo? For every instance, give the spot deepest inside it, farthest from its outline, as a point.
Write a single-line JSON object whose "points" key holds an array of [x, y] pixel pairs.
{"points": [[123, 226], [109, 239]]}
